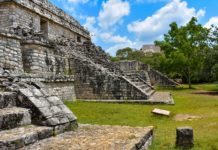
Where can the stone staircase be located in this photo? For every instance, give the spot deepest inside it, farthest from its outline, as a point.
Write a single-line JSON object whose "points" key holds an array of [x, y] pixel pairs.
{"points": [[148, 80], [28, 115], [141, 84], [16, 128], [160, 79]]}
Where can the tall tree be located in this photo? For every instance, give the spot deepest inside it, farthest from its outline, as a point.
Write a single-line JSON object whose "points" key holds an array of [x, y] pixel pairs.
{"points": [[184, 48]]}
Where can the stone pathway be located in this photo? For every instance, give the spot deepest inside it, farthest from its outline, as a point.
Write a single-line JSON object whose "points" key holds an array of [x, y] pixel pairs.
{"points": [[95, 137]]}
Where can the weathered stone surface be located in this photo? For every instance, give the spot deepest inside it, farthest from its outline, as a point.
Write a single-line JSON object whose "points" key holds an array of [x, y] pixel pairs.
{"points": [[48, 110], [94, 137], [161, 98], [7, 99], [19, 137], [33, 48], [161, 112], [145, 72], [14, 117], [184, 137]]}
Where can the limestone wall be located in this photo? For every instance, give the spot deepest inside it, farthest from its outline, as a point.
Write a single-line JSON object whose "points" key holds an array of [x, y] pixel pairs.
{"points": [[5, 19], [45, 10], [63, 90], [131, 65], [42, 59], [25, 19], [158, 78], [37, 59], [10, 54]]}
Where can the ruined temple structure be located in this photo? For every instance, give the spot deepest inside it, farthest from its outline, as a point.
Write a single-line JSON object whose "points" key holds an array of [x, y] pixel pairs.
{"points": [[46, 57], [153, 77]]}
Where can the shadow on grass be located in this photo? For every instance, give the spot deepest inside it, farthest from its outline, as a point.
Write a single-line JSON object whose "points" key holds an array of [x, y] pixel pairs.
{"points": [[178, 88], [212, 93]]}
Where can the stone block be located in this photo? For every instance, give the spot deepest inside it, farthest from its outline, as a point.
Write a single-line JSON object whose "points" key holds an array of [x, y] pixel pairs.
{"points": [[161, 112], [14, 117], [184, 137], [7, 99]]}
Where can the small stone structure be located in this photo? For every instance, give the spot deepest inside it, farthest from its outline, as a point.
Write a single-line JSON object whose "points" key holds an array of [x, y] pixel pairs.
{"points": [[184, 137], [150, 49], [151, 76]]}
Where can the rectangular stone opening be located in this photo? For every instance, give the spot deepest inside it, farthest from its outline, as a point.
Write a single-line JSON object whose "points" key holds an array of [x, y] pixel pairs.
{"points": [[44, 26], [79, 39]]}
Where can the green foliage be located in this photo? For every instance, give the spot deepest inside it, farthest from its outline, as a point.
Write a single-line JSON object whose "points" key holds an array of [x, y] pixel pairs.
{"points": [[190, 53], [204, 106], [124, 53], [215, 72], [185, 48]]}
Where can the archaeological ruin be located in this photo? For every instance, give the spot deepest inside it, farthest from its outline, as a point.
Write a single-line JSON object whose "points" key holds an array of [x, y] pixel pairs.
{"points": [[46, 57]]}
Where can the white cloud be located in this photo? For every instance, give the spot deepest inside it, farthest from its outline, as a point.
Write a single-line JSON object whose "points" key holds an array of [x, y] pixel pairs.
{"points": [[212, 21], [112, 12], [90, 25], [98, 33], [108, 37], [155, 26], [133, 44]]}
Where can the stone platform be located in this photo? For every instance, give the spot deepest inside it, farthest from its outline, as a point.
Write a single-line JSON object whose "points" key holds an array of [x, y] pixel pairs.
{"points": [[96, 137], [161, 98], [156, 98]]}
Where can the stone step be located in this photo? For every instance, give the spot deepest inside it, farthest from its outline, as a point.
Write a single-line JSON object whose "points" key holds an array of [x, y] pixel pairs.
{"points": [[7, 99], [147, 90], [138, 83], [14, 117], [150, 93], [19, 137], [144, 86], [135, 80]]}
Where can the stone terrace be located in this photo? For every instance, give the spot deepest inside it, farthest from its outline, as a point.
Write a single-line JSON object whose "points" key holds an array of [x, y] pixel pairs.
{"points": [[95, 137]]}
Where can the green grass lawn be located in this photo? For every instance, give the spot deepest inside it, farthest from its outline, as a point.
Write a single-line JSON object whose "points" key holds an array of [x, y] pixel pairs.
{"points": [[204, 106]]}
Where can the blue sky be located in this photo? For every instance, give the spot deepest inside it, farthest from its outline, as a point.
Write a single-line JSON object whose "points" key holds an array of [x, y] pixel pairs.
{"points": [[116, 24]]}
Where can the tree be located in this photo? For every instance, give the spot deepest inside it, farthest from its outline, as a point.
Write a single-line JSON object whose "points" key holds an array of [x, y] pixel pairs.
{"points": [[184, 48], [215, 72], [124, 53]]}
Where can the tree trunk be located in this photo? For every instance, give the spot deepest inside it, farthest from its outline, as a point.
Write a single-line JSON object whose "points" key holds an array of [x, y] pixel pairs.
{"points": [[189, 79], [189, 83]]}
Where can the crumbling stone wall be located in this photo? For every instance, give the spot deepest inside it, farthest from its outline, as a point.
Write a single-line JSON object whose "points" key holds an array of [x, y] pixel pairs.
{"points": [[45, 10], [10, 54], [5, 19], [94, 83], [37, 58], [132, 65], [145, 72], [158, 78]]}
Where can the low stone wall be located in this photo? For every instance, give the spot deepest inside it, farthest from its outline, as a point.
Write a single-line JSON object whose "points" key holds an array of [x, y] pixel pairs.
{"points": [[160, 79], [63, 90], [132, 66]]}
